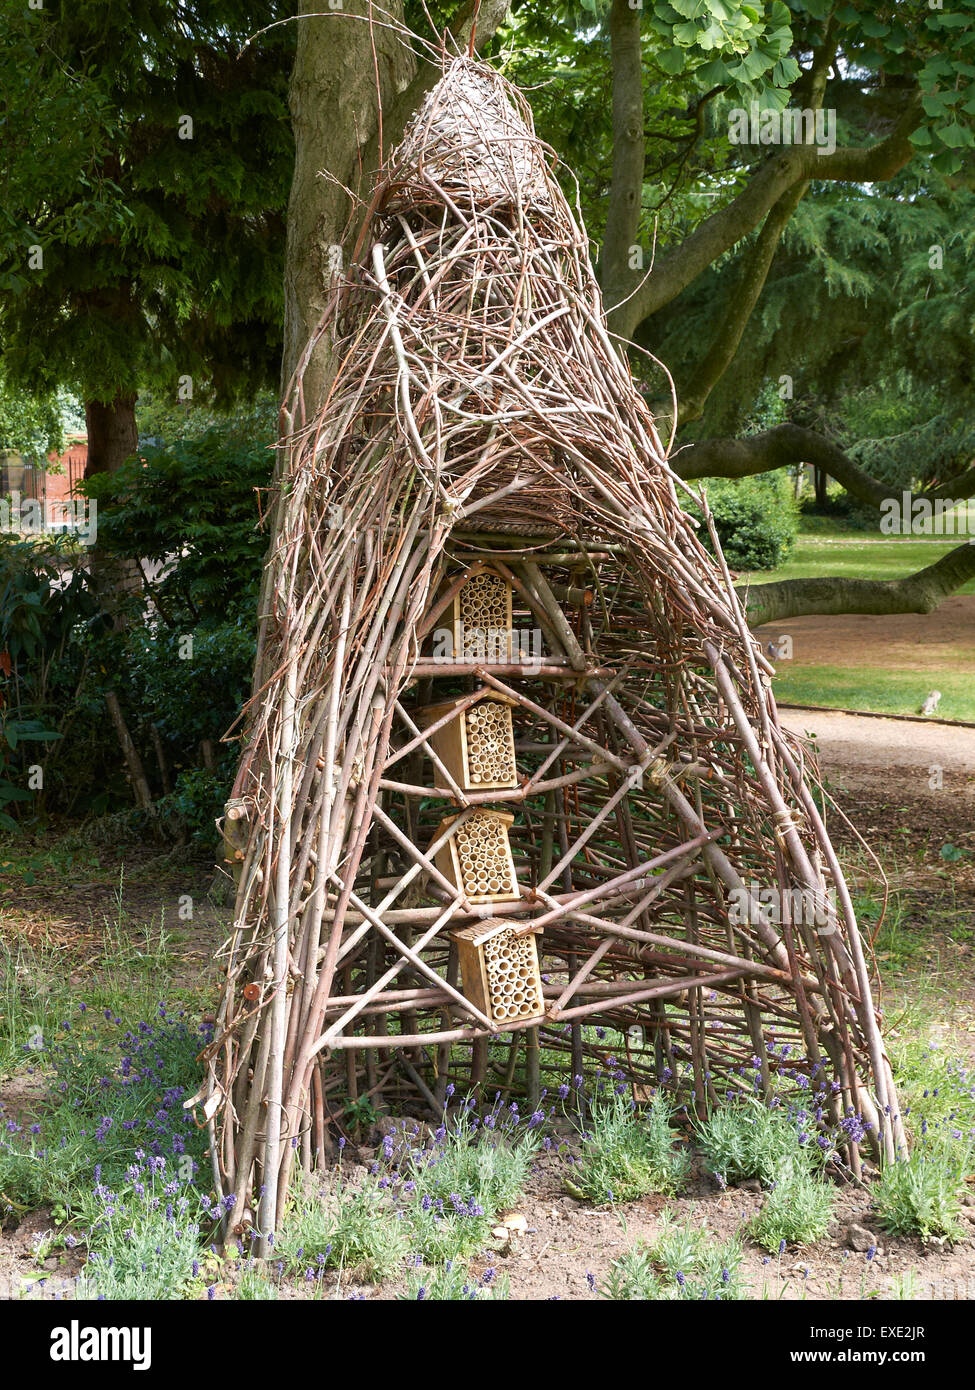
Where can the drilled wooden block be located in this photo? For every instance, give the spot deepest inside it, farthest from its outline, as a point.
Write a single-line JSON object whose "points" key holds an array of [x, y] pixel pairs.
{"points": [[477, 858], [499, 972], [478, 745], [483, 619]]}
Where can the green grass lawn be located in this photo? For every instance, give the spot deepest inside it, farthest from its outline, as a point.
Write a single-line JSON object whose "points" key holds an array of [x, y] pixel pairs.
{"points": [[874, 684], [875, 688], [849, 555]]}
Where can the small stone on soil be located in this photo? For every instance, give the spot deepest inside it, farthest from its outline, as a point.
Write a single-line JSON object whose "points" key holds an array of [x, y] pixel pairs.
{"points": [[859, 1238]]}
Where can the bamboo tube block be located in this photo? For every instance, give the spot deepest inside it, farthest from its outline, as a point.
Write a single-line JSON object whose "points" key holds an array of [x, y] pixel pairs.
{"points": [[478, 747], [477, 859], [482, 619], [499, 972]]}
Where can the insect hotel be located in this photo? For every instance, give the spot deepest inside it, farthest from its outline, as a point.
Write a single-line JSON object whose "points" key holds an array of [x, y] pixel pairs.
{"points": [[515, 788]]}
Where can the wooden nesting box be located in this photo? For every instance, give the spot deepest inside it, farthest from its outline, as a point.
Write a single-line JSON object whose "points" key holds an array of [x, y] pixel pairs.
{"points": [[499, 971], [478, 746], [477, 858], [482, 619]]}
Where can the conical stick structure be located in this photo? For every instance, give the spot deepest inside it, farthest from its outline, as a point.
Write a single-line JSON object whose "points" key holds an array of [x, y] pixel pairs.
{"points": [[484, 600]]}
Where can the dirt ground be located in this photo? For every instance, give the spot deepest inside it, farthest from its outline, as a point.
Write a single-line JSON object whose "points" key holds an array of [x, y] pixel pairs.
{"points": [[896, 775], [906, 641]]}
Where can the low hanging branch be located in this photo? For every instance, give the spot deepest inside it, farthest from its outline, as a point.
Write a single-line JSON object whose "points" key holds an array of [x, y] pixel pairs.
{"points": [[482, 423], [917, 593]]}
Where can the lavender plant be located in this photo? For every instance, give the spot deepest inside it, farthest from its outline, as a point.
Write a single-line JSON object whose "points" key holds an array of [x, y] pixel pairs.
{"points": [[453, 1281], [452, 1184], [747, 1138], [628, 1153], [682, 1262], [359, 1233], [797, 1211], [921, 1195], [111, 1091], [144, 1238]]}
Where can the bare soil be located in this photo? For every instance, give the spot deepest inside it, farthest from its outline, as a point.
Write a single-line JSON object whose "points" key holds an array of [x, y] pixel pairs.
{"points": [[907, 641]]}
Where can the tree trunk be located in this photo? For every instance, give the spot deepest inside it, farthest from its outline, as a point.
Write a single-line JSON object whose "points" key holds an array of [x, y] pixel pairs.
{"points": [[344, 64], [137, 776], [113, 435], [333, 73]]}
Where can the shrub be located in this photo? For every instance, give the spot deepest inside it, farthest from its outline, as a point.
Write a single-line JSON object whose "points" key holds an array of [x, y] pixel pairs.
{"points": [[628, 1154], [797, 1211], [143, 1239], [756, 519], [191, 506], [744, 1138], [115, 1092], [455, 1282], [39, 610], [458, 1181], [920, 1195], [681, 1263], [359, 1233]]}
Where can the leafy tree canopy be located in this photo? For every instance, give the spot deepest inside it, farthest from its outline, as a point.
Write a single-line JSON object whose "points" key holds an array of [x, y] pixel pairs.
{"points": [[145, 175]]}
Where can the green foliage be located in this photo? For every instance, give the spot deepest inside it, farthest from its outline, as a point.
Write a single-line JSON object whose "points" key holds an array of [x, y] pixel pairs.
{"points": [[459, 1181], [454, 1282], [189, 694], [144, 1239], [479, 1164], [921, 1195], [164, 422], [797, 1211], [113, 1092], [934, 1086], [743, 1138], [38, 613], [189, 811], [355, 1232], [629, 1153], [756, 519], [252, 1285], [682, 1262], [161, 244], [29, 426], [191, 506], [182, 663]]}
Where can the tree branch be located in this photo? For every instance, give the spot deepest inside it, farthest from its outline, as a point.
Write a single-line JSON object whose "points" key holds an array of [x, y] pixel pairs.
{"points": [[728, 335], [785, 446], [674, 271], [920, 592], [779, 447]]}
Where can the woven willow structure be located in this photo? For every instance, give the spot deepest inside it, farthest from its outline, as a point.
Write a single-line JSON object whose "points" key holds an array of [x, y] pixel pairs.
{"points": [[480, 524]]}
